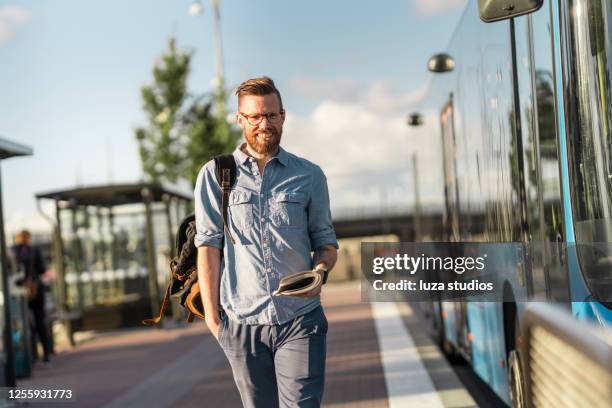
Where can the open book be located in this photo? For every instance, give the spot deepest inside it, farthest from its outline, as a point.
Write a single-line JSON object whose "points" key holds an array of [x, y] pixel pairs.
{"points": [[298, 283]]}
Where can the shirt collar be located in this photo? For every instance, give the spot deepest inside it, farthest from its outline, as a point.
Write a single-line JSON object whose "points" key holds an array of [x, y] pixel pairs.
{"points": [[242, 157], [282, 156], [239, 155]]}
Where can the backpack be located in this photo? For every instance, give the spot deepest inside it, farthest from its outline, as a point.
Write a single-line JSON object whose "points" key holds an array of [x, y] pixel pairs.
{"points": [[183, 284]]}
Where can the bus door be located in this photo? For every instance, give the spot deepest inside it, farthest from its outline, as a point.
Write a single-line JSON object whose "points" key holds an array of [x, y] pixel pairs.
{"points": [[455, 312], [541, 212]]}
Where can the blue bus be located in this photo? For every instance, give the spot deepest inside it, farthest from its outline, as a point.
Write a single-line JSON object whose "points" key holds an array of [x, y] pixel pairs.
{"points": [[522, 113]]}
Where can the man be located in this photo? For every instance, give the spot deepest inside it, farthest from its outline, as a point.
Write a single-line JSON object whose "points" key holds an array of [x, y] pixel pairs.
{"points": [[278, 213], [30, 260]]}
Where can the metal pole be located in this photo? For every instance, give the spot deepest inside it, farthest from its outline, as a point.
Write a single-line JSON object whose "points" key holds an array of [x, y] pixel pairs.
{"points": [[176, 310], [8, 327], [166, 200], [106, 283], [85, 258], [111, 225], [77, 254], [220, 96], [151, 261], [61, 275], [417, 201]]}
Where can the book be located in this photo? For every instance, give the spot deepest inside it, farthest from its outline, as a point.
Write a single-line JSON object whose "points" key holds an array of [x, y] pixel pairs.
{"points": [[298, 283]]}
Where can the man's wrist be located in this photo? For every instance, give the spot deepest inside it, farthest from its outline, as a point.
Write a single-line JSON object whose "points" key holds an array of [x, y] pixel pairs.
{"points": [[212, 312], [212, 317]]}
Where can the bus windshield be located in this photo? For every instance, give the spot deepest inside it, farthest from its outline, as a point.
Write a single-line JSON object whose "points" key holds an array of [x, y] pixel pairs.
{"points": [[590, 140]]}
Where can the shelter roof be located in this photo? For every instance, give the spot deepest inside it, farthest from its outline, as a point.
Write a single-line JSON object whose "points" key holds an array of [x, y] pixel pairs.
{"points": [[115, 194], [12, 149]]}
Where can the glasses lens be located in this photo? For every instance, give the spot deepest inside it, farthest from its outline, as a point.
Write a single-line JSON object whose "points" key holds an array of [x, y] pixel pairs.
{"points": [[255, 119]]}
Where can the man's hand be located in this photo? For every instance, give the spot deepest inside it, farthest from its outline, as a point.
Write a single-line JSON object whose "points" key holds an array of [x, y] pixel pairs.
{"points": [[214, 324]]}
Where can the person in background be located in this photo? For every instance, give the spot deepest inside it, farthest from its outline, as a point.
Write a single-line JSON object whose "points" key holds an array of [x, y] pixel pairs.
{"points": [[29, 259]]}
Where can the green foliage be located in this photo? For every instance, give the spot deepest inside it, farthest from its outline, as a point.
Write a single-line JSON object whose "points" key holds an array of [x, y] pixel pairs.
{"points": [[208, 135], [183, 133]]}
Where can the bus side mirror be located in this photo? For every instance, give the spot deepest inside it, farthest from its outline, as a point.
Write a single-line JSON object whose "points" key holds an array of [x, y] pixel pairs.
{"points": [[495, 10]]}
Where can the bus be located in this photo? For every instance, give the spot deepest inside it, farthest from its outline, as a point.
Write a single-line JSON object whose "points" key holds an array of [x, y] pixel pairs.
{"points": [[521, 107]]}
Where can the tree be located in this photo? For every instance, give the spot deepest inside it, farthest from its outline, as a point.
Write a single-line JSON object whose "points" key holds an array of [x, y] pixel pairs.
{"points": [[183, 132], [207, 135]]}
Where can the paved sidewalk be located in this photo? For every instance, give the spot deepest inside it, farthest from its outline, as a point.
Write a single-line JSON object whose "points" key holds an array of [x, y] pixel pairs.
{"points": [[185, 367]]}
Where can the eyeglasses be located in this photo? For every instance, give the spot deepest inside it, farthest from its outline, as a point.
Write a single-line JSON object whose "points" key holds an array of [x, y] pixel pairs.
{"points": [[254, 120]]}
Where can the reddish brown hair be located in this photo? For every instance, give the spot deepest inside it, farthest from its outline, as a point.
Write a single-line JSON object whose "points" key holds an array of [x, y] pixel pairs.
{"points": [[258, 86]]}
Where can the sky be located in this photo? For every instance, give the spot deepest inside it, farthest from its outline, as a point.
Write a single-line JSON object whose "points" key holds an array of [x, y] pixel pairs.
{"points": [[349, 72]]}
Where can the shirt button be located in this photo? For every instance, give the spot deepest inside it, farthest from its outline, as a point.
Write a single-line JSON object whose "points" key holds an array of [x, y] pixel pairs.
{"points": [[262, 219], [269, 269]]}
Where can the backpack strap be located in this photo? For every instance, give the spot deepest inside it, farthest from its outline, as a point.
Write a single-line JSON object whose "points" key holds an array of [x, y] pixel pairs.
{"points": [[162, 309], [225, 171]]}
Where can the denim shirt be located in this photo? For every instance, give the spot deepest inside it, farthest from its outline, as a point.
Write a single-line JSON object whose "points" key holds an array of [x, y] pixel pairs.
{"points": [[277, 221]]}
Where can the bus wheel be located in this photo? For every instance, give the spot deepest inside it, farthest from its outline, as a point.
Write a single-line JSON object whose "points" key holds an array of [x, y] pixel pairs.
{"points": [[516, 380]]}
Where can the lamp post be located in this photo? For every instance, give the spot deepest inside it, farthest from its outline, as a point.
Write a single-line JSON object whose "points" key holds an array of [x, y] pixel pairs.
{"points": [[415, 119], [417, 199], [196, 9]]}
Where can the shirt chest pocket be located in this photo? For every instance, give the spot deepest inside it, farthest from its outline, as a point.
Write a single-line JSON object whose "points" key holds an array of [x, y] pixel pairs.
{"points": [[288, 210], [240, 208]]}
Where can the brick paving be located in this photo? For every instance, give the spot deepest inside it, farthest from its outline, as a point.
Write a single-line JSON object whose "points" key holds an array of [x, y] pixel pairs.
{"points": [[354, 373], [127, 368], [107, 366]]}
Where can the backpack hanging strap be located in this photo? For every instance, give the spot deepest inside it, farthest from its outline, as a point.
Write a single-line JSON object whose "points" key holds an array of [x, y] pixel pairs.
{"points": [[225, 171], [162, 309]]}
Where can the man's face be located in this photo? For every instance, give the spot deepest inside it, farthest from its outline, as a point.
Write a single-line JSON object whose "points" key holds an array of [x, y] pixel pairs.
{"points": [[265, 136]]}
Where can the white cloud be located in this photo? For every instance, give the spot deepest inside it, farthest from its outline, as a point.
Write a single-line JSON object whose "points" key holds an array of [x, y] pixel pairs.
{"points": [[343, 90], [11, 17], [379, 96], [429, 8], [363, 144]]}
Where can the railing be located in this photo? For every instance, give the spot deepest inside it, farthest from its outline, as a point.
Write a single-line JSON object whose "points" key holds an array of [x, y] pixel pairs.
{"points": [[354, 213], [567, 363]]}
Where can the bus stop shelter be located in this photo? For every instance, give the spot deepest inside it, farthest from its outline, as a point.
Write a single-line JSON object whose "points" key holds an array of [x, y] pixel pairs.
{"points": [[8, 149], [111, 248]]}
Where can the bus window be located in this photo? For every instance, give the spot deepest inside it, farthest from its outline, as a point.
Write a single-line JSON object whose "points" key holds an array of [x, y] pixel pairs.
{"points": [[590, 140], [451, 189], [550, 236]]}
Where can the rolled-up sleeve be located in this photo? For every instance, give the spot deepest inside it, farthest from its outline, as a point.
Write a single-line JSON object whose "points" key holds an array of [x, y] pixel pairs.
{"points": [[320, 226], [207, 198]]}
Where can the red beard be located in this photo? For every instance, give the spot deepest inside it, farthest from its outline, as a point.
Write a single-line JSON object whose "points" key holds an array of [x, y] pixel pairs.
{"points": [[264, 145]]}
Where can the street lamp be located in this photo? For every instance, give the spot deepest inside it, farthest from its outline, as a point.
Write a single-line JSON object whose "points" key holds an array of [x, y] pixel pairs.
{"points": [[414, 119], [196, 9]]}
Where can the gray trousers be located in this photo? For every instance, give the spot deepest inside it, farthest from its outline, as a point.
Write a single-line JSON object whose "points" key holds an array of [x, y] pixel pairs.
{"points": [[278, 365]]}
